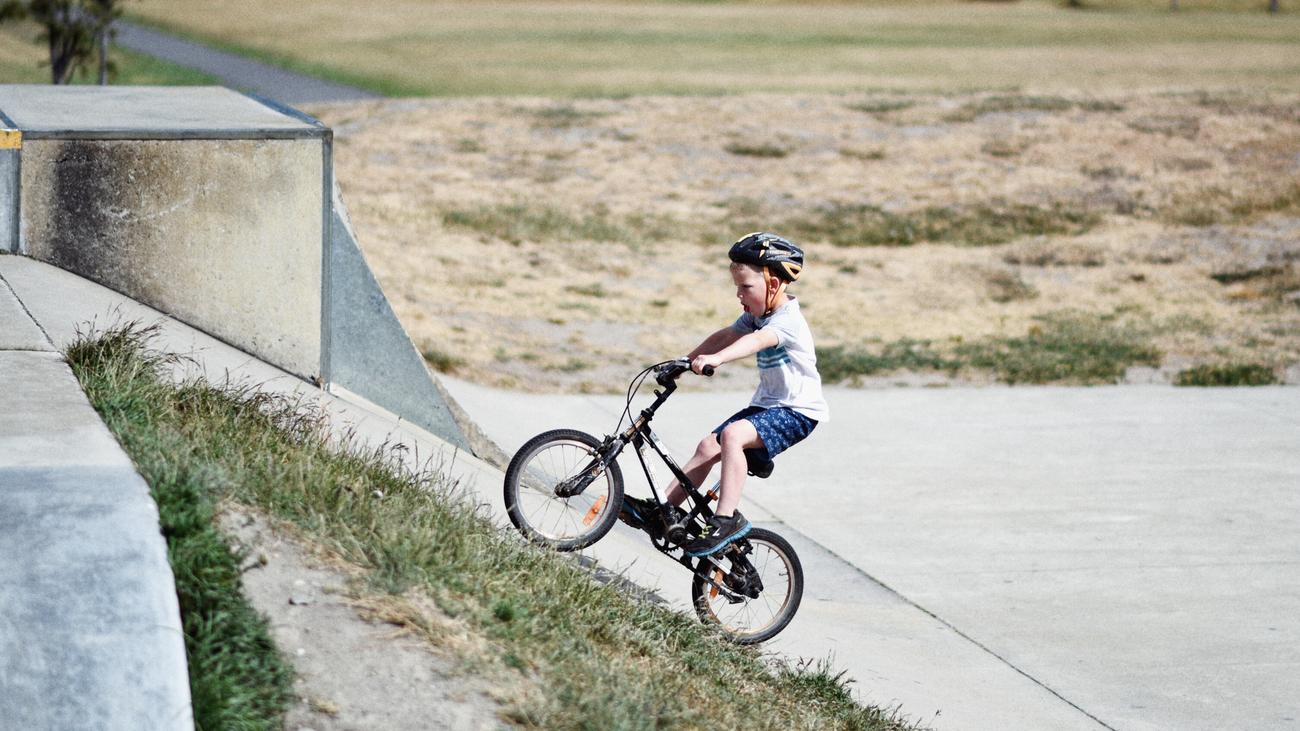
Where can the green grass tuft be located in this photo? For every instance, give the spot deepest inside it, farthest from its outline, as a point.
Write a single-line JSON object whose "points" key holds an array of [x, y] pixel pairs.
{"points": [[1019, 103], [1230, 374], [838, 363], [757, 149], [881, 106], [440, 361], [979, 225], [1065, 347], [519, 222]]}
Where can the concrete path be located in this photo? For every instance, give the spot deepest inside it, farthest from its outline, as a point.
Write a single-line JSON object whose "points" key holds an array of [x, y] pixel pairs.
{"points": [[90, 633], [1037, 558], [237, 71], [983, 559]]}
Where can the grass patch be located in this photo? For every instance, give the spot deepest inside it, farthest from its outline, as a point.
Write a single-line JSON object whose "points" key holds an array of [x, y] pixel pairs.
{"points": [[838, 363], [1186, 127], [1211, 206], [587, 290], [462, 48], [1064, 347], [881, 106], [24, 61], [585, 654], [757, 149], [1005, 286], [518, 222], [1003, 103], [980, 225], [238, 679], [440, 361], [562, 116], [1055, 254], [1230, 374], [858, 153]]}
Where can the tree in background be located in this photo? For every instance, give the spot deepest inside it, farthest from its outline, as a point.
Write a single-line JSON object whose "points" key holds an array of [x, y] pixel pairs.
{"points": [[105, 13], [73, 29]]}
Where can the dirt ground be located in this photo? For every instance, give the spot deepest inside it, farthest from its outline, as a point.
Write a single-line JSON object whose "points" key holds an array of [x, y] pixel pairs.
{"points": [[355, 670], [560, 245]]}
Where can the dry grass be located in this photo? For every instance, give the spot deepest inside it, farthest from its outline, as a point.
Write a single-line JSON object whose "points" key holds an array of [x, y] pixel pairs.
{"points": [[643, 198], [616, 48]]}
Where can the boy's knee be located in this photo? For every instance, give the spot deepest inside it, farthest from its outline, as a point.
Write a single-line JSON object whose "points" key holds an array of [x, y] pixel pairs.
{"points": [[709, 447], [737, 435]]}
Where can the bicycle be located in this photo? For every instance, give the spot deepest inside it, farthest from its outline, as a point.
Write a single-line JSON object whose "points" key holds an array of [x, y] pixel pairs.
{"points": [[564, 490]]}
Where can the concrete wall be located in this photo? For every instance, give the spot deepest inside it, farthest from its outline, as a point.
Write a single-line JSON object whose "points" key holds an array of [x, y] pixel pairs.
{"points": [[220, 210], [224, 234]]}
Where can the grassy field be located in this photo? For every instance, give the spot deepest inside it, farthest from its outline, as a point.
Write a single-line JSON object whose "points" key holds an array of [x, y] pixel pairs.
{"points": [[562, 244], [21, 58], [562, 650], [613, 48]]}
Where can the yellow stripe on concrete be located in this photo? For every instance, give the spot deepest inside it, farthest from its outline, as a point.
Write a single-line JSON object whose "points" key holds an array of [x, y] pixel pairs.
{"points": [[11, 139]]}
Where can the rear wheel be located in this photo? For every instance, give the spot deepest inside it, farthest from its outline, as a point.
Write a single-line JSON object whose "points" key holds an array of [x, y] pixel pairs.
{"points": [[763, 574], [541, 474]]}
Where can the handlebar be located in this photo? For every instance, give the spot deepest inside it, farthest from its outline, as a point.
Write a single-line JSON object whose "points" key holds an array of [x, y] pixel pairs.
{"points": [[669, 371]]}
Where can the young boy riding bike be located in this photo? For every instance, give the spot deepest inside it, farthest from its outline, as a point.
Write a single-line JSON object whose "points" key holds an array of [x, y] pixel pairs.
{"points": [[785, 409]]}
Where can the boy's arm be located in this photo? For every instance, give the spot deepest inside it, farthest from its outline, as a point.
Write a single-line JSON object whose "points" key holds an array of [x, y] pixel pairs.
{"points": [[715, 342], [741, 346]]}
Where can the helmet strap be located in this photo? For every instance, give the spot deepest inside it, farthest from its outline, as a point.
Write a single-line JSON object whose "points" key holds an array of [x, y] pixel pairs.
{"points": [[772, 294]]}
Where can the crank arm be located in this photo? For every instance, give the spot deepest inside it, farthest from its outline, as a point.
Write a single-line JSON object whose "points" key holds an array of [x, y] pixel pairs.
{"points": [[729, 595]]}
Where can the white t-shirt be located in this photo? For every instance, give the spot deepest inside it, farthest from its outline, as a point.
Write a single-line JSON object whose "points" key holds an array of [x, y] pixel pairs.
{"points": [[787, 371]]}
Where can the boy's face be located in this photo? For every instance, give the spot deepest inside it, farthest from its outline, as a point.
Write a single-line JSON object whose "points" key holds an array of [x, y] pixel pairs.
{"points": [[751, 290]]}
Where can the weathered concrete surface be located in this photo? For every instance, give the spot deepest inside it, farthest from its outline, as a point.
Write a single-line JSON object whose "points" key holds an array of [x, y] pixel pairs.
{"points": [[141, 110], [1129, 552], [90, 631], [370, 353], [224, 234], [17, 331]]}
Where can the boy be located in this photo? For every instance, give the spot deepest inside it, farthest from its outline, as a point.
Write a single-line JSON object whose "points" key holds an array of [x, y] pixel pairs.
{"points": [[788, 404]]}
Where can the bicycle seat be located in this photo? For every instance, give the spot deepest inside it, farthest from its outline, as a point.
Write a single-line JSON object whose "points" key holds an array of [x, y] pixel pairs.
{"points": [[759, 465]]}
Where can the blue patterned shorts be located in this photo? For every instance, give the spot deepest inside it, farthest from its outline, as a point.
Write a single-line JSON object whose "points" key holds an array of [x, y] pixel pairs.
{"points": [[780, 428]]}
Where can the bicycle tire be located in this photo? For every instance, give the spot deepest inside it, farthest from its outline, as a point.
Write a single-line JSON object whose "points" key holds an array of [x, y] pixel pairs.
{"points": [[564, 524], [709, 602]]}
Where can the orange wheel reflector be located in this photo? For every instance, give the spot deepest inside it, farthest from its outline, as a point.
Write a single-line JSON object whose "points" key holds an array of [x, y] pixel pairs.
{"points": [[590, 517], [717, 579]]}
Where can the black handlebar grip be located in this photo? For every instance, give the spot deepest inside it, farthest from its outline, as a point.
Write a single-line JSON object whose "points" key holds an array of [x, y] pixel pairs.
{"points": [[707, 370]]}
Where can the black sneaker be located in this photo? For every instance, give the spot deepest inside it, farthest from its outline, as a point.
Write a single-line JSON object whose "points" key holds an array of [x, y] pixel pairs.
{"points": [[718, 534], [646, 515]]}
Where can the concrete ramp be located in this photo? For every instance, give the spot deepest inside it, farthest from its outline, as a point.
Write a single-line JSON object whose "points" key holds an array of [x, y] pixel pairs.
{"points": [[219, 209]]}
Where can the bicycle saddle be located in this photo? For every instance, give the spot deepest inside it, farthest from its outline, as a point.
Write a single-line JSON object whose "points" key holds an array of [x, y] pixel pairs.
{"points": [[759, 466]]}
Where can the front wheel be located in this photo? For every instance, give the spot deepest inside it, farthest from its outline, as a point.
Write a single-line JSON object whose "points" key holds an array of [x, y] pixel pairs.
{"points": [[764, 578], [540, 480]]}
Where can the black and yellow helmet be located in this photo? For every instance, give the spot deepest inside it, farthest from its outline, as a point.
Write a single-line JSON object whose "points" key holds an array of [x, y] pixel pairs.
{"points": [[777, 255]]}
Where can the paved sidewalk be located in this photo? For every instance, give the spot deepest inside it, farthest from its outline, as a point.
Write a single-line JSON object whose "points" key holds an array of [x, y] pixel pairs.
{"points": [[90, 633], [1125, 556], [235, 71]]}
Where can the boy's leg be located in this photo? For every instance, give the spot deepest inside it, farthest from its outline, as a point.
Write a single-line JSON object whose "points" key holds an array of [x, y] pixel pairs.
{"points": [[697, 468], [736, 438]]}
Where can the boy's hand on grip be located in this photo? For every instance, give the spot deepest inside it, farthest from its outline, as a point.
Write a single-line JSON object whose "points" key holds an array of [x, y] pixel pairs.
{"points": [[704, 365]]}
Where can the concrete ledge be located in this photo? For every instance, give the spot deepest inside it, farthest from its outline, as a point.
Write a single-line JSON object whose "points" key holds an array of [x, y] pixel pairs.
{"points": [[90, 628]]}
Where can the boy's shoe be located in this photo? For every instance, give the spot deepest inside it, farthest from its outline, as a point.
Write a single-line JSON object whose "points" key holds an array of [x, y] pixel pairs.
{"points": [[718, 534], [644, 514]]}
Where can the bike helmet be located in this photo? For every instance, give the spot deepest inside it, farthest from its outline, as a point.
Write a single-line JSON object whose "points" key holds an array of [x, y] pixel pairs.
{"points": [[777, 256]]}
